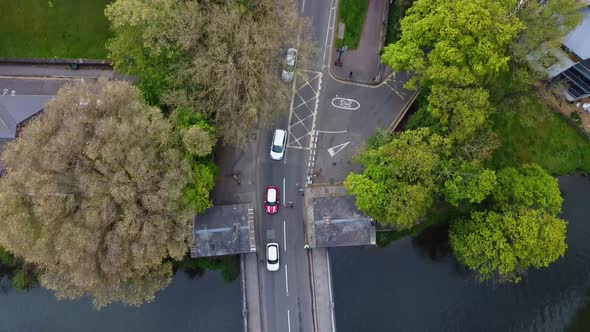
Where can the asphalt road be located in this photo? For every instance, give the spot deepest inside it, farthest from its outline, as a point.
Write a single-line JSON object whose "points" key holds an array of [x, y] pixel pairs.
{"points": [[286, 294]]}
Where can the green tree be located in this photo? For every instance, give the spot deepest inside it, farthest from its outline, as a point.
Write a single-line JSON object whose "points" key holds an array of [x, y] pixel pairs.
{"points": [[505, 245], [530, 187], [399, 183], [462, 111], [93, 195], [217, 58], [466, 40], [546, 23], [469, 183]]}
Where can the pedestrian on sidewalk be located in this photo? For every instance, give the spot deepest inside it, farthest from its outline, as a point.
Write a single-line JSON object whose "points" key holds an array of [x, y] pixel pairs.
{"points": [[350, 75]]}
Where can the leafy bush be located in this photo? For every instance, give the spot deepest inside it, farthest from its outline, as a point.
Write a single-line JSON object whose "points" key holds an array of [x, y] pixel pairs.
{"points": [[575, 116], [25, 279]]}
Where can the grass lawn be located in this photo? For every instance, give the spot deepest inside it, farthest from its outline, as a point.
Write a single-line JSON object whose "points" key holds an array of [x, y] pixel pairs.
{"points": [[532, 133], [352, 13], [56, 28]]}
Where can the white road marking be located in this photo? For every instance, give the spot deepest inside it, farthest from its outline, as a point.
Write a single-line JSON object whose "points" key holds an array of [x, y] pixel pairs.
{"points": [[289, 319], [335, 149], [346, 103], [286, 280], [284, 201], [285, 235], [302, 6], [331, 132]]}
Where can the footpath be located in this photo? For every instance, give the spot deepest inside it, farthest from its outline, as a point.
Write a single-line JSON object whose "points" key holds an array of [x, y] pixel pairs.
{"points": [[363, 64]]}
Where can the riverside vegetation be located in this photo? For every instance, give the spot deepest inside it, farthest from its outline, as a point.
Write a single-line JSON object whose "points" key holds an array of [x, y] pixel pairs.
{"points": [[101, 188], [460, 160]]}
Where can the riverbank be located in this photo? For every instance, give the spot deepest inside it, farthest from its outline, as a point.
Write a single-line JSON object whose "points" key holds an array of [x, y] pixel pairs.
{"points": [[415, 284], [204, 304]]}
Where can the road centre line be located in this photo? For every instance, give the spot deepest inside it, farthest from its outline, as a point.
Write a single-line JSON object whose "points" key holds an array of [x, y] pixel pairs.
{"points": [[284, 201], [285, 235], [289, 319], [286, 280]]}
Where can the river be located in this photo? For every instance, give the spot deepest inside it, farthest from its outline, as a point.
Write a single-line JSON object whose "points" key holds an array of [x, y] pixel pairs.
{"points": [[416, 285], [411, 285], [205, 304]]}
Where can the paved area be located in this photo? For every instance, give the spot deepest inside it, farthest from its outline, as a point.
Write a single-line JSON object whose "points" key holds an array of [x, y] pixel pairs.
{"points": [[364, 62], [349, 115], [323, 292], [304, 108], [28, 70], [251, 293], [32, 86]]}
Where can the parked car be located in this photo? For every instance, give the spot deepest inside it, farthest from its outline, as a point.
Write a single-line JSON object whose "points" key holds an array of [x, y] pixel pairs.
{"points": [[289, 65], [277, 148], [271, 200], [272, 257]]}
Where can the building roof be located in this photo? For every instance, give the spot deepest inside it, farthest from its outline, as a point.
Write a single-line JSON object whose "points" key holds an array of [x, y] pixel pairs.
{"points": [[16, 109], [577, 40], [336, 220], [224, 230], [576, 80]]}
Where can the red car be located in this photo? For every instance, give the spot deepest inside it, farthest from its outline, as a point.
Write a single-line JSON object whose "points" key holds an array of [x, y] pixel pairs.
{"points": [[271, 199]]}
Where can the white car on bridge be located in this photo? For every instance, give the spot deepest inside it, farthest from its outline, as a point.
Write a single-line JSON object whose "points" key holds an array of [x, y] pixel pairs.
{"points": [[272, 257]]}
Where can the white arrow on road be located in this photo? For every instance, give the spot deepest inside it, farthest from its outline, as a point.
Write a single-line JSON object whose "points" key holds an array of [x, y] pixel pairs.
{"points": [[335, 149]]}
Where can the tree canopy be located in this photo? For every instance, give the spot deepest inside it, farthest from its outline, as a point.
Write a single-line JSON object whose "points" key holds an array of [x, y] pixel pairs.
{"points": [[94, 194], [505, 245], [516, 229], [467, 38], [217, 58], [399, 182]]}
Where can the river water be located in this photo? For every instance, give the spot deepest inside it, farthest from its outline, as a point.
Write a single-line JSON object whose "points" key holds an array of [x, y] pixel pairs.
{"points": [[205, 304], [412, 285], [416, 285]]}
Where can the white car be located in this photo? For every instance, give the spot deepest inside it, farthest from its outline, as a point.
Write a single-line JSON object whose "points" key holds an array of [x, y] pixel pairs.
{"points": [[289, 65], [272, 257], [277, 148]]}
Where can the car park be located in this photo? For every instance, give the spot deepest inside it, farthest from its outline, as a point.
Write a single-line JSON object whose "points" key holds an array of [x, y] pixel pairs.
{"points": [[271, 200], [289, 65], [272, 257], [277, 148]]}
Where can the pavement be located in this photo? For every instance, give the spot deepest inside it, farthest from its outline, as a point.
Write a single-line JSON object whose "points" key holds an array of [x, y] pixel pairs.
{"points": [[56, 70], [364, 62]]}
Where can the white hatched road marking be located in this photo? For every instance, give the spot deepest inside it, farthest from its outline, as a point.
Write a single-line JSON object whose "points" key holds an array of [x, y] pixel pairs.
{"points": [[305, 109]]}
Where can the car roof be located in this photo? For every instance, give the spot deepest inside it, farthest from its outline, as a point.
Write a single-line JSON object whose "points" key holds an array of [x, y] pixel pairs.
{"points": [[271, 194], [272, 250], [279, 137]]}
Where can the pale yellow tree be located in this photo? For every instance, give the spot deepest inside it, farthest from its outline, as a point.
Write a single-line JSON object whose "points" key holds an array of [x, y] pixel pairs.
{"points": [[93, 195]]}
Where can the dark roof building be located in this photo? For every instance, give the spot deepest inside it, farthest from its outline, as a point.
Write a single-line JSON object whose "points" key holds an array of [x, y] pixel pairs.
{"points": [[575, 78], [14, 110], [224, 230], [332, 219]]}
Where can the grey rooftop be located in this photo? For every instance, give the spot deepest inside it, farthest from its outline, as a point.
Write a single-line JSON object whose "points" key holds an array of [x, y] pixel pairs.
{"points": [[577, 40], [16, 109], [332, 219], [224, 230]]}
